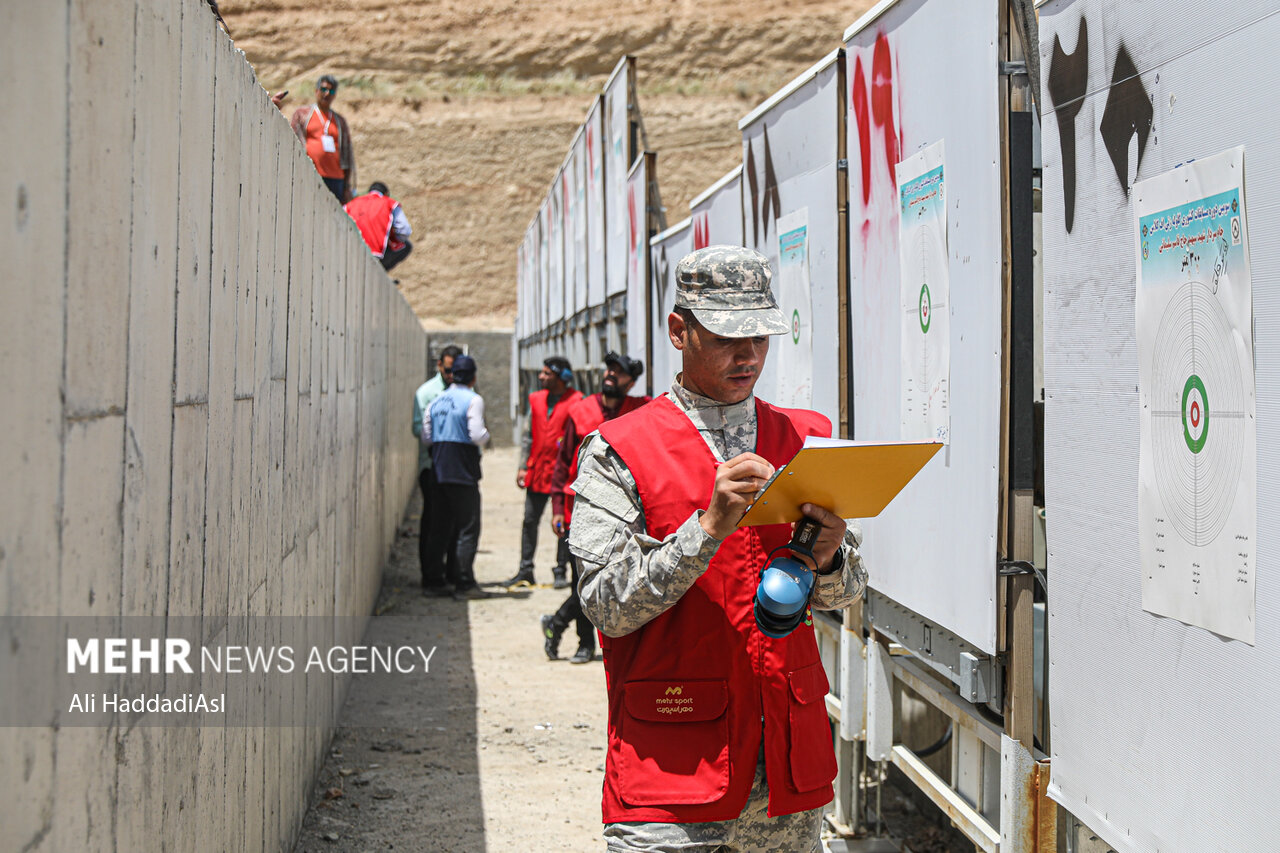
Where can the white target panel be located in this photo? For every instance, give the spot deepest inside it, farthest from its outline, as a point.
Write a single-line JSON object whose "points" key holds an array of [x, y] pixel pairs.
{"points": [[665, 251], [556, 284], [594, 185], [920, 73], [1162, 732], [790, 180], [716, 212], [638, 259], [618, 155]]}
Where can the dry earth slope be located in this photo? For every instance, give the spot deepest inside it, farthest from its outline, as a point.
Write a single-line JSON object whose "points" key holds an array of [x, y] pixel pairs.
{"points": [[466, 109]]}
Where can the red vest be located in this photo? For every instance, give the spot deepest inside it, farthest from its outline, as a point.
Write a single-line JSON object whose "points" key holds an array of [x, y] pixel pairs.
{"points": [[547, 433], [372, 214], [587, 414], [693, 692]]}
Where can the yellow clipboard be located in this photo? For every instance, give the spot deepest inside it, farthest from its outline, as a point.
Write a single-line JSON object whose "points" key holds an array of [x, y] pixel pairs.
{"points": [[854, 479]]}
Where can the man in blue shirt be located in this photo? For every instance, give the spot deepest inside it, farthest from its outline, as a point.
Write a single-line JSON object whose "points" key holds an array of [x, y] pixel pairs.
{"points": [[455, 431], [422, 399]]}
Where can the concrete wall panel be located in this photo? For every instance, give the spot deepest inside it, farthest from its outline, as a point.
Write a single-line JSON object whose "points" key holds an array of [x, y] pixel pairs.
{"points": [[31, 346], [195, 182], [210, 369]]}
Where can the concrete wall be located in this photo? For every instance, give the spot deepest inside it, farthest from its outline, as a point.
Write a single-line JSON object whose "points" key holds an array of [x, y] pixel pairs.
{"points": [[492, 352], [204, 392]]}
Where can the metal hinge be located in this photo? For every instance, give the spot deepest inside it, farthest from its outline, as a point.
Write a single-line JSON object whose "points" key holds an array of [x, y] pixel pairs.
{"points": [[842, 165], [1013, 68]]}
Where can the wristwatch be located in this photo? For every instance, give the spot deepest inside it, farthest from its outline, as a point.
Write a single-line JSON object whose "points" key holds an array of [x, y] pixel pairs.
{"points": [[837, 563]]}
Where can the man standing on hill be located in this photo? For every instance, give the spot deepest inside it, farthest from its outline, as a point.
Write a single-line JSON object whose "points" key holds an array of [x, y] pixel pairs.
{"points": [[548, 411], [585, 416], [328, 140], [718, 734], [422, 400], [455, 431], [382, 224]]}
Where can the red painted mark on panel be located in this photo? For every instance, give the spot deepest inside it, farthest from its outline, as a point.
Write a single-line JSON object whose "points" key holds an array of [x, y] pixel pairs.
{"points": [[702, 231], [860, 114], [882, 99]]}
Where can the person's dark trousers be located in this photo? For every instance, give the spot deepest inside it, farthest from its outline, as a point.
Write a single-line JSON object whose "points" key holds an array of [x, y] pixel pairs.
{"points": [[433, 575], [426, 482], [337, 186], [563, 556], [391, 257], [455, 527], [571, 610], [534, 504]]}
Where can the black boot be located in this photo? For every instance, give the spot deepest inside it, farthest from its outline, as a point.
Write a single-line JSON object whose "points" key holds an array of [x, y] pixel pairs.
{"points": [[559, 579], [551, 631], [584, 654], [524, 576]]}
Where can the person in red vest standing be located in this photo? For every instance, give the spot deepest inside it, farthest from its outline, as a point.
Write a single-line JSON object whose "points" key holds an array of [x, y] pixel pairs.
{"points": [[586, 415], [382, 224], [718, 735], [548, 411]]}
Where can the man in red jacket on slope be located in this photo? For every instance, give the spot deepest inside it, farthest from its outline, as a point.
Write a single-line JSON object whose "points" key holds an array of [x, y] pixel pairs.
{"points": [[382, 224], [718, 735], [586, 415]]}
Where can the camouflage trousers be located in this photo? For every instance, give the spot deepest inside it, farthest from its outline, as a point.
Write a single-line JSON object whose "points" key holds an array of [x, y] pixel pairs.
{"points": [[752, 832]]}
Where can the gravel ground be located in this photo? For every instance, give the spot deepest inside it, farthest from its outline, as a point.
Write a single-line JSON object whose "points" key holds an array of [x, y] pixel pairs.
{"points": [[495, 748]]}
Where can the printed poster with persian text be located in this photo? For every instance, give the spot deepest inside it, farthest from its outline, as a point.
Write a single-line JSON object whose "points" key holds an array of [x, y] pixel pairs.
{"points": [[1197, 466], [926, 293], [795, 350]]}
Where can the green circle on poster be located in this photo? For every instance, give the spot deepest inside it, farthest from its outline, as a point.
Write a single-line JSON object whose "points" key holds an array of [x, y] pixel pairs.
{"points": [[1195, 413], [925, 309]]}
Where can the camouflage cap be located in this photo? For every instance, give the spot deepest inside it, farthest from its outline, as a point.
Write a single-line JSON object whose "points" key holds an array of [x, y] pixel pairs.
{"points": [[727, 289]]}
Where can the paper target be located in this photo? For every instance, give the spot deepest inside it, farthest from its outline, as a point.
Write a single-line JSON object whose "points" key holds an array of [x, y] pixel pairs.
{"points": [[1199, 417], [927, 271], [1197, 459]]}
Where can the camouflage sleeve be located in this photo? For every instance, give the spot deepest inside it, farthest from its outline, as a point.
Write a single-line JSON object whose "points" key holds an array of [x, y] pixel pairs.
{"points": [[627, 577], [842, 588]]}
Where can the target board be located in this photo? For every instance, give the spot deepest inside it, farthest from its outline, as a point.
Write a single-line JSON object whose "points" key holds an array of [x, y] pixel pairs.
{"points": [[1198, 486], [795, 350], [926, 289]]}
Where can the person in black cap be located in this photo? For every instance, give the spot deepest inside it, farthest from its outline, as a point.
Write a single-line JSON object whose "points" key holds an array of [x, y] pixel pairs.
{"points": [[455, 431], [620, 374]]}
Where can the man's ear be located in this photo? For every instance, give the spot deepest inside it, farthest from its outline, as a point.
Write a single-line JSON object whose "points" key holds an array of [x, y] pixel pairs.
{"points": [[677, 329]]}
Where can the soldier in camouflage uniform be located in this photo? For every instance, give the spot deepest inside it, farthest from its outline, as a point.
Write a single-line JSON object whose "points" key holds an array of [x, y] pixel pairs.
{"points": [[725, 312]]}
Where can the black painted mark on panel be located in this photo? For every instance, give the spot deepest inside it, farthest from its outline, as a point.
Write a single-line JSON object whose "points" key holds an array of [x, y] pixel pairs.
{"points": [[1068, 81], [752, 186], [1128, 111], [664, 270], [771, 195]]}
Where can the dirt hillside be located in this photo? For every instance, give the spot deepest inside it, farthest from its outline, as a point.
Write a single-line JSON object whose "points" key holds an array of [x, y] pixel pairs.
{"points": [[465, 109]]}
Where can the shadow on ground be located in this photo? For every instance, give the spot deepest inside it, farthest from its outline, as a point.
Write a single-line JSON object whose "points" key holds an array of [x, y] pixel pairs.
{"points": [[402, 771]]}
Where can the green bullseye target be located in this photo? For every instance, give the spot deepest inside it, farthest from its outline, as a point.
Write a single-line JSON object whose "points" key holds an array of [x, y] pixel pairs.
{"points": [[925, 308], [1195, 413]]}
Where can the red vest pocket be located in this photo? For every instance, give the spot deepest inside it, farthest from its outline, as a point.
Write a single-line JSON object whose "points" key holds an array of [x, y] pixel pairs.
{"points": [[673, 742], [813, 761]]}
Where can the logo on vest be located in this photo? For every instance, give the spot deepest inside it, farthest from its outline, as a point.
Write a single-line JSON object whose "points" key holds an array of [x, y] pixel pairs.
{"points": [[673, 702]]}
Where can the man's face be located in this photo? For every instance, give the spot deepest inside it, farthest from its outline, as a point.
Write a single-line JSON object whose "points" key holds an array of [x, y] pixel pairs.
{"points": [[445, 366], [547, 378], [325, 93], [724, 369], [616, 382]]}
